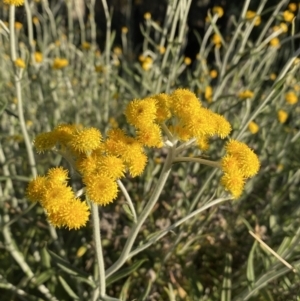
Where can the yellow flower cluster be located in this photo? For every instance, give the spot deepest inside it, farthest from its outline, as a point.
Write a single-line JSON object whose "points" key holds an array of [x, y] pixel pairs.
{"points": [[250, 15], [59, 63], [238, 164], [291, 98], [57, 198]]}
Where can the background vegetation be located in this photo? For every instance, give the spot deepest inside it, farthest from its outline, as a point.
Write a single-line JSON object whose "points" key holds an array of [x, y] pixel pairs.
{"points": [[211, 256]]}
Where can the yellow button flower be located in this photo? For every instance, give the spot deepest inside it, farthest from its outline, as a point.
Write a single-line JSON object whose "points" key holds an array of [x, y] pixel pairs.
{"points": [[253, 127], [291, 98], [282, 116]]}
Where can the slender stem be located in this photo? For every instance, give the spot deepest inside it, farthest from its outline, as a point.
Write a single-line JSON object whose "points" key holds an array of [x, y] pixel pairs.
{"points": [[98, 246], [128, 199], [198, 160], [17, 79], [144, 214]]}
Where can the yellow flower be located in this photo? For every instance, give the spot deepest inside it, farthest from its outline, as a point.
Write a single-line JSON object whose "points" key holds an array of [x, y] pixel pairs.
{"points": [[292, 7], [117, 51], [74, 214], [147, 16], [181, 132], [274, 42], [288, 16], [161, 49], [150, 136], [87, 164], [136, 164], [253, 127], [20, 63], [184, 104], [283, 27], [163, 107], [45, 141], [101, 189], [247, 160], [291, 98], [147, 63], [208, 93], [113, 122], [85, 140], [18, 25], [59, 63], [213, 73], [218, 10], [64, 132], [250, 15], [216, 40], [203, 143], [273, 76], [86, 45], [35, 20], [187, 61], [222, 127], [36, 188], [58, 175], [124, 29], [234, 183], [38, 56], [14, 2], [141, 113], [282, 116], [111, 166], [246, 94]]}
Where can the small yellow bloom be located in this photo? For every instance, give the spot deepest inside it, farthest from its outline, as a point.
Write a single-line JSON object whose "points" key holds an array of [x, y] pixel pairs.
{"points": [[111, 166], [117, 51], [234, 183], [14, 2], [35, 20], [150, 136], [273, 76], [274, 42], [99, 68], [253, 127], [147, 16], [18, 25], [86, 45], [124, 29], [147, 63], [59, 63], [218, 10], [246, 94], [163, 107], [291, 98], [36, 188], [283, 26], [213, 73], [203, 143], [250, 15], [216, 40], [282, 116], [187, 61], [20, 63], [141, 113], [58, 175], [292, 7], [45, 141], [101, 189], [85, 140], [38, 56], [208, 93], [288, 16], [161, 49]]}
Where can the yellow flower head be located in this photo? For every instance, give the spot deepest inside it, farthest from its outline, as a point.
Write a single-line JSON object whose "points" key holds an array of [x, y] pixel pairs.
{"points": [[124, 29], [292, 7], [273, 76], [181, 132], [218, 10], [222, 127], [163, 107], [38, 56], [246, 94], [274, 42], [283, 27], [150, 136], [288, 16], [234, 183], [64, 132], [250, 15], [59, 63], [187, 61], [136, 165], [20, 63], [147, 63], [141, 113], [58, 175], [213, 73], [147, 16], [247, 160], [18, 25], [282, 116], [73, 215], [253, 127], [14, 2], [45, 141], [85, 140], [86, 45], [203, 143], [291, 98], [36, 188], [111, 166], [185, 104], [101, 189], [216, 40], [208, 93]]}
